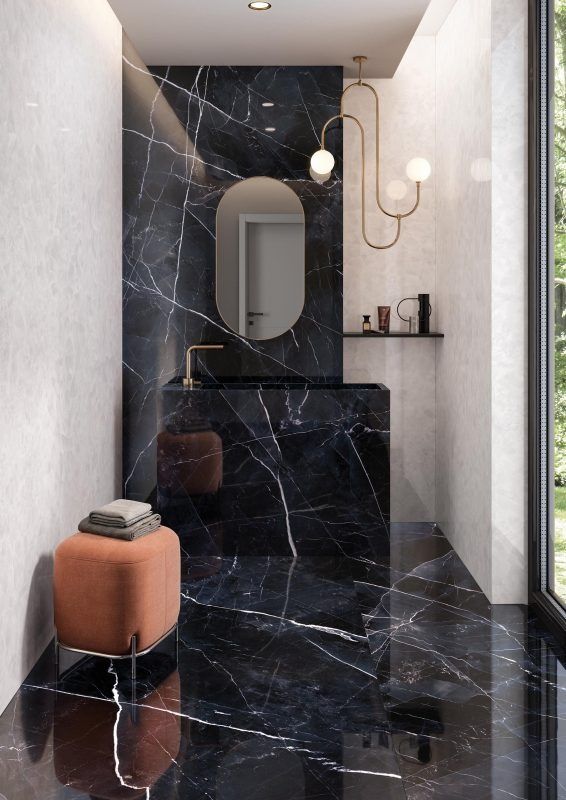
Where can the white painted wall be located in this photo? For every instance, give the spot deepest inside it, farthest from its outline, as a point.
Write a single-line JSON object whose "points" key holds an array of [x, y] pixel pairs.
{"points": [[373, 277], [481, 280], [60, 303]]}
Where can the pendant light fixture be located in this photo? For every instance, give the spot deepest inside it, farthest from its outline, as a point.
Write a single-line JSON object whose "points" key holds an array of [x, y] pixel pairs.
{"points": [[322, 163]]}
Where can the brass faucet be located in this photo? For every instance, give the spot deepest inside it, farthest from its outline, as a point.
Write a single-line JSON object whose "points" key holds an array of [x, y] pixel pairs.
{"points": [[189, 382]]}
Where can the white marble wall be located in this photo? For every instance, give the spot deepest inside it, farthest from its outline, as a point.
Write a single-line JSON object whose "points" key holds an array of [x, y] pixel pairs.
{"points": [[463, 441], [60, 306], [509, 387], [459, 416], [373, 277], [481, 280]]}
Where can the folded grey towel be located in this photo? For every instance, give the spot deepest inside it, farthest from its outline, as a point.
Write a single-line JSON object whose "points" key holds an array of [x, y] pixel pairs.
{"points": [[142, 528], [117, 522], [121, 513]]}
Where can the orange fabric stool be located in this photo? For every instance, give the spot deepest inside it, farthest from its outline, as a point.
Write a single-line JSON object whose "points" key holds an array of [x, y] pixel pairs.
{"points": [[114, 597]]}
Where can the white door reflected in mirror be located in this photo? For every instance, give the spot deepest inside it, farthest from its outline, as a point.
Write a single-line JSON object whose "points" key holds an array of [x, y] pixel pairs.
{"points": [[271, 273], [260, 258]]}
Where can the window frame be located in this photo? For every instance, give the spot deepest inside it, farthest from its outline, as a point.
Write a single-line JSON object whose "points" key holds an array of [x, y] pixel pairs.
{"points": [[541, 312]]}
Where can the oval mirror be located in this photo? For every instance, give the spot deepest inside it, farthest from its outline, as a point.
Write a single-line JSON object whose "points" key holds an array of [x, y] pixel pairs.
{"points": [[260, 258]]}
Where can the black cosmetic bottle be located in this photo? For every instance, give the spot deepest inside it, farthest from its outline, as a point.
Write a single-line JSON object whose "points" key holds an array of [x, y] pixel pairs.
{"points": [[424, 313]]}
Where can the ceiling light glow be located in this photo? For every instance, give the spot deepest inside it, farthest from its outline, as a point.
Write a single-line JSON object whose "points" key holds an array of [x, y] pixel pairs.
{"points": [[259, 5]]}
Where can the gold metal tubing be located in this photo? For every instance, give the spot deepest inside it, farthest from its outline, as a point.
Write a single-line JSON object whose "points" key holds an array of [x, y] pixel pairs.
{"points": [[347, 89], [188, 380], [326, 124], [360, 61], [397, 216], [417, 201], [343, 115], [377, 151]]}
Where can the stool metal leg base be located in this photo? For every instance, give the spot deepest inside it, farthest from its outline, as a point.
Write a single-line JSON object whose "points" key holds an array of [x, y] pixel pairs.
{"points": [[133, 654], [134, 640], [113, 655], [56, 644], [134, 688]]}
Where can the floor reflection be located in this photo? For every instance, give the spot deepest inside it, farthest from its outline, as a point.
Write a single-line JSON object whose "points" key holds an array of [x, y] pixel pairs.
{"points": [[383, 673], [115, 750]]}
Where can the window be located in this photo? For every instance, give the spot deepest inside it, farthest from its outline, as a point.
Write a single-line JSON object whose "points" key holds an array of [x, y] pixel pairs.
{"points": [[547, 193]]}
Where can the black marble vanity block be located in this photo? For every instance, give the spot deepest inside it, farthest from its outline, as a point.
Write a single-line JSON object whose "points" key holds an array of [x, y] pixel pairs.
{"points": [[278, 469], [190, 133]]}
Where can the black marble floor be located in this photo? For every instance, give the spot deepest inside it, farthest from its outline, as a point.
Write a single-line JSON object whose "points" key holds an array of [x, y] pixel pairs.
{"points": [[380, 674]]}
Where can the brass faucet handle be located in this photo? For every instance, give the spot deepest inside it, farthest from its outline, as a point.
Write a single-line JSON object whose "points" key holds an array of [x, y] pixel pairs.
{"points": [[188, 381], [191, 383]]}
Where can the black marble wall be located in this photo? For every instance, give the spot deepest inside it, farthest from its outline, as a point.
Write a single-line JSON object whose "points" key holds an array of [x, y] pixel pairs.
{"points": [[283, 469], [189, 134]]}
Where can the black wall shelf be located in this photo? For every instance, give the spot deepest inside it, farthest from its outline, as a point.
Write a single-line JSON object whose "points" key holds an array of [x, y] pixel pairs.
{"points": [[393, 335]]}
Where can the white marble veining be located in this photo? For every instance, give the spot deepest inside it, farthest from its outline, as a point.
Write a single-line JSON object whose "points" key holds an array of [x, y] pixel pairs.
{"points": [[60, 348], [372, 277]]}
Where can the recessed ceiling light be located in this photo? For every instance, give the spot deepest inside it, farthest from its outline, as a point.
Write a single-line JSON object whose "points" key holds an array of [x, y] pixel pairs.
{"points": [[259, 5], [31, 104], [270, 130], [268, 104]]}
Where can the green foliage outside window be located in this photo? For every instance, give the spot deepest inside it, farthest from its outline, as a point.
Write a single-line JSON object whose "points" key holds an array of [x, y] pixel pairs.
{"points": [[560, 243]]}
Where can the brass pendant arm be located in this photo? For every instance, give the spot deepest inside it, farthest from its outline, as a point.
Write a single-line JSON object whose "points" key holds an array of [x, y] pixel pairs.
{"points": [[324, 129], [363, 182], [417, 201], [359, 82]]}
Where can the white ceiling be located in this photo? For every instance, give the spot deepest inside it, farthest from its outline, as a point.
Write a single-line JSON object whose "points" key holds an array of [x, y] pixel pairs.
{"points": [[435, 17], [292, 32]]}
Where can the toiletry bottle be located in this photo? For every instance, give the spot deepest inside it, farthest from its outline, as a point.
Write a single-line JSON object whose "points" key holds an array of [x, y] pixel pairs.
{"points": [[366, 324], [384, 317], [425, 310]]}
